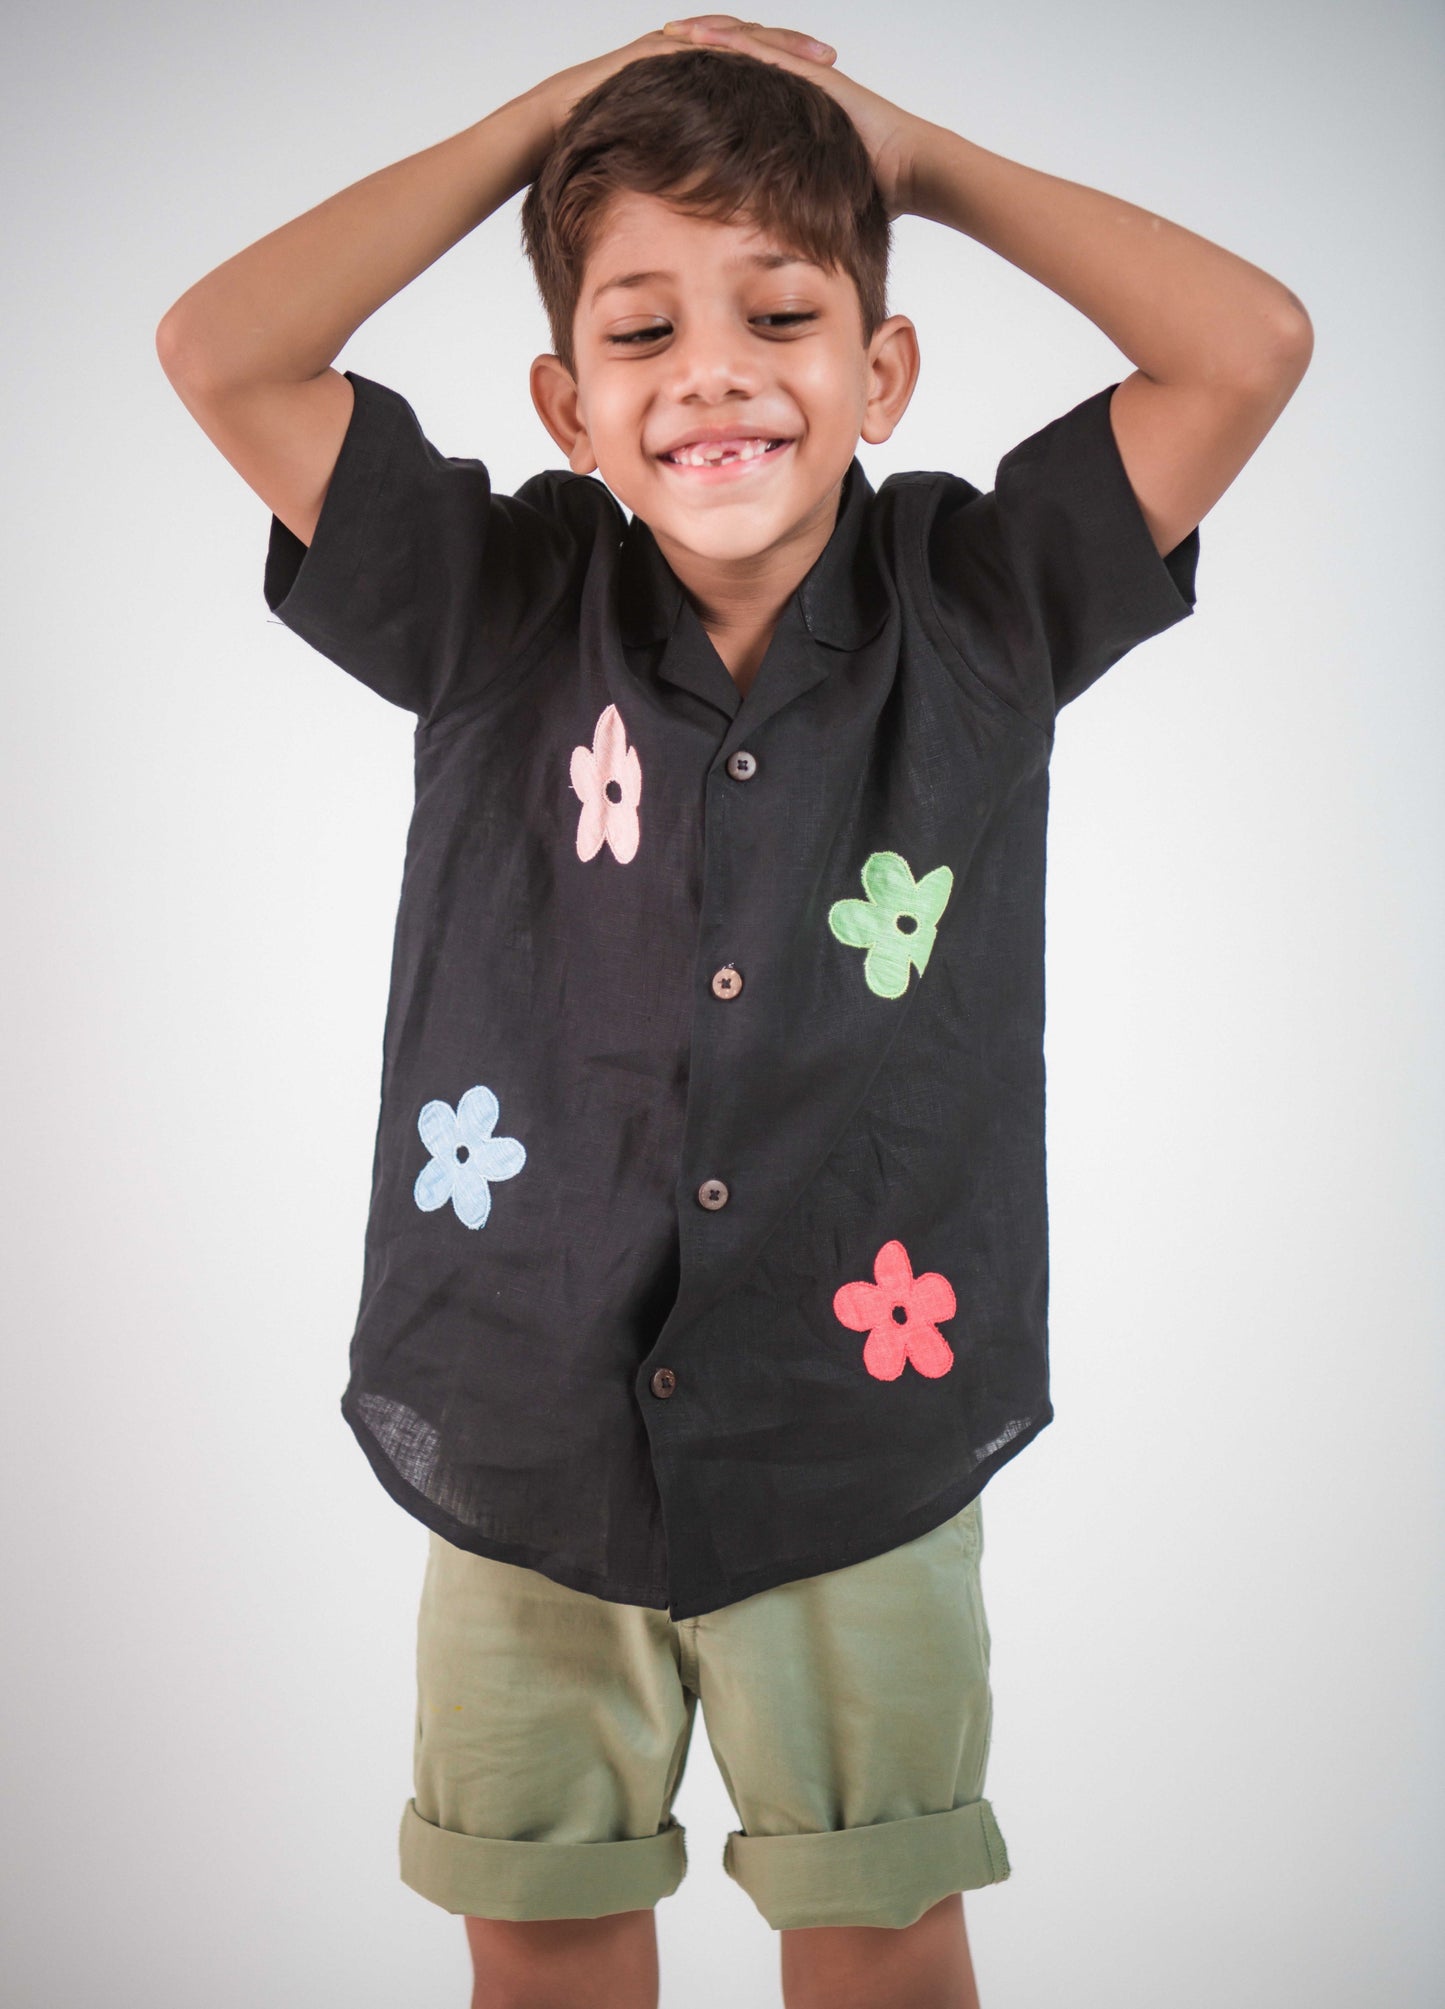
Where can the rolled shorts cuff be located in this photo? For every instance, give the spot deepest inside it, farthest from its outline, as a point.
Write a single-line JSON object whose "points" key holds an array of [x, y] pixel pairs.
{"points": [[485, 1878], [888, 1873]]}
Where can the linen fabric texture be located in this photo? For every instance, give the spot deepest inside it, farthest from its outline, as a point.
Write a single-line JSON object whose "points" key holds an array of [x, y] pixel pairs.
{"points": [[850, 1715], [707, 1246]]}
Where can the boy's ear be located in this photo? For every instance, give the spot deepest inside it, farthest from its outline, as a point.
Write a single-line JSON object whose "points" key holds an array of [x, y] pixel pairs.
{"points": [[554, 394], [893, 365]]}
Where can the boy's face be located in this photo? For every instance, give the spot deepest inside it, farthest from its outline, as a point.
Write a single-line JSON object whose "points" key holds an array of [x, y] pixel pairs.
{"points": [[710, 340]]}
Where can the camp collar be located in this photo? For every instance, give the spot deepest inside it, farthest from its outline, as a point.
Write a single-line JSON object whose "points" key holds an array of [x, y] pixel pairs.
{"points": [[842, 598]]}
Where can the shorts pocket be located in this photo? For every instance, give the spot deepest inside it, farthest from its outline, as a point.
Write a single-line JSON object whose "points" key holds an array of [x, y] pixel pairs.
{"points": [[969, 1523]]}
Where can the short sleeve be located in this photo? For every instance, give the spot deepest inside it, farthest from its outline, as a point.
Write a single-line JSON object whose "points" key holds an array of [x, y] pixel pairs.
{"points": [[1046, 581], [418, 580]]}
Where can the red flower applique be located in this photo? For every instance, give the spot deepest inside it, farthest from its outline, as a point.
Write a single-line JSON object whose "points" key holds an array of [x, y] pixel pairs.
{"points": [[900, 1314]]}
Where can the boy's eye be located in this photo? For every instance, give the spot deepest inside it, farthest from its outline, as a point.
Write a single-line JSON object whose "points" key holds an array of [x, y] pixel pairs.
{"points": [[651, 334]]}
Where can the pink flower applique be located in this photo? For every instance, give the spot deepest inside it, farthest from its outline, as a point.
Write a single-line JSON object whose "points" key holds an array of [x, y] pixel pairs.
{"points": [[608, 779], [900, 1314]]}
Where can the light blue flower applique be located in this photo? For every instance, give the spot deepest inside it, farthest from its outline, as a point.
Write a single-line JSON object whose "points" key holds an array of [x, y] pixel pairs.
{"points": [[464, 1156]]}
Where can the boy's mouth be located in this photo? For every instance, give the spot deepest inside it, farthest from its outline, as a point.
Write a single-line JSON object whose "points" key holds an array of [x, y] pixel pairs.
{"points": [[724, 458]]}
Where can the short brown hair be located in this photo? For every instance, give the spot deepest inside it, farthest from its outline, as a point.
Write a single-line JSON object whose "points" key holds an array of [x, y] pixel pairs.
{"points": [[724, 136]]}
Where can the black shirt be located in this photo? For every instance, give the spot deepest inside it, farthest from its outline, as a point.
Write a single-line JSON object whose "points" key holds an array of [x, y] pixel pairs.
{"points": [[708, 1243]]}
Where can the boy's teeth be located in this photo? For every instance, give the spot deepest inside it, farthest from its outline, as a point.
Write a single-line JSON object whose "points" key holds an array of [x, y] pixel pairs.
{"points": [[712, 456]]}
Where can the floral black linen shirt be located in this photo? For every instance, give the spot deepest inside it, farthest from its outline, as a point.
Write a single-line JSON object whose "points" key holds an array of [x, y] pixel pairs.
{"points": [[708, 1239]]}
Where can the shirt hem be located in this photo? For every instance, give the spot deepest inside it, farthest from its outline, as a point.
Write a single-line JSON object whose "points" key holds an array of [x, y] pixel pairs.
{"points": [[426, 1510], [697, 1604]]}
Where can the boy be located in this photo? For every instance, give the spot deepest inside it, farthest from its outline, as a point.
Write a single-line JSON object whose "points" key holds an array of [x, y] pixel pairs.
{"points": [[706, 1270]]}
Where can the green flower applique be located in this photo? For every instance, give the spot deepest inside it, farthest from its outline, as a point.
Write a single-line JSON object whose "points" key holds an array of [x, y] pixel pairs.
{"points": [[896, 924]]}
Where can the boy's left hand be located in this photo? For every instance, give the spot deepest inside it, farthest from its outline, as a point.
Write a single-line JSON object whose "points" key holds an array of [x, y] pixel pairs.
{"points": [[889, 133]]}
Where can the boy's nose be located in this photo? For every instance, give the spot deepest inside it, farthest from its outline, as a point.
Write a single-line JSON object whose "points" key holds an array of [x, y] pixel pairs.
{"points": [[707, 361]]}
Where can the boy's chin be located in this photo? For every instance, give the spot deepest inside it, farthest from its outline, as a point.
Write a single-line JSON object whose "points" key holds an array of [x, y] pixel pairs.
{"points": [[735, 529], [749, 534]]}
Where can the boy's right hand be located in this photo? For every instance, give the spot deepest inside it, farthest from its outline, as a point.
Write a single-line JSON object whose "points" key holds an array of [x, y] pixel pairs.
{"points": [[561, 92]]}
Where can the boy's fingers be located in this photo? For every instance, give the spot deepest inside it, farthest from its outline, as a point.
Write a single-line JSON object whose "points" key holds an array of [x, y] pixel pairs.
{"points": [[727, 27]]}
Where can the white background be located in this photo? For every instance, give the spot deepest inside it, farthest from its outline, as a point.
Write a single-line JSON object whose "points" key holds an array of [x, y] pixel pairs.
{"points": [[1213, 1583]]}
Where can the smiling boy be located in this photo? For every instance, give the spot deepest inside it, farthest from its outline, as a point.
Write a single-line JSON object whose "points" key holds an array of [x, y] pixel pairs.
{"points": [[706, 1268], [739, 535]]}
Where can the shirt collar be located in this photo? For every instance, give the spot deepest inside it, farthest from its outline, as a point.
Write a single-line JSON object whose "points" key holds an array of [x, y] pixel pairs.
{"points": [[842, 599]]}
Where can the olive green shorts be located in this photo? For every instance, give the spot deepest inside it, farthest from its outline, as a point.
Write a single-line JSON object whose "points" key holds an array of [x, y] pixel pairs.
{"points": [[849, 1715]]}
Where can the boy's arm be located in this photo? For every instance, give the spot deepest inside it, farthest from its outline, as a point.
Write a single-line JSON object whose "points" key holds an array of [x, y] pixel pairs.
{"points": [[248, 348], [1219, 345], [283, 308]]}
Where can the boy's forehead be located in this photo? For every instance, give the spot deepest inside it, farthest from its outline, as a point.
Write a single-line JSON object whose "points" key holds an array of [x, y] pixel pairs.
{"points": [[650, 225]]}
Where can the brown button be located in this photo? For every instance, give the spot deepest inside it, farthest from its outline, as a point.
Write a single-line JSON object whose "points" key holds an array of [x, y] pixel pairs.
{"points": [[726, 982], [741, 766], [713, 1193], [664, 1381]]}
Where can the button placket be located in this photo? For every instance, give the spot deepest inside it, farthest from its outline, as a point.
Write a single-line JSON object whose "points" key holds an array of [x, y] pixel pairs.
{"points": [[727, 982]]}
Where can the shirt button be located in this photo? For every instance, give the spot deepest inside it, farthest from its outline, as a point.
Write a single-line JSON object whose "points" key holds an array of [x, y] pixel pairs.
{"points": [[741, 766], [713, 1193], [726, 982], [664, 1381]]}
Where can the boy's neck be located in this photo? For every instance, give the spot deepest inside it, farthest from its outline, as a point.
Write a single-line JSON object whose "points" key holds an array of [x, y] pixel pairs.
{"points": [[739, 602]]}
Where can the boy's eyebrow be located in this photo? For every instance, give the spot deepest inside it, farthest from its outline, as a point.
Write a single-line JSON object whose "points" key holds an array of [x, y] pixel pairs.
{"points": [[768, 261]]}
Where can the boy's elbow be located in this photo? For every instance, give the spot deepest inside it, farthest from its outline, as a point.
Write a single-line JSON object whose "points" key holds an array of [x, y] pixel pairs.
{"points": [[1267, 370], [1292, 341], [177, 349], [1297, 332], [168, 344]]}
